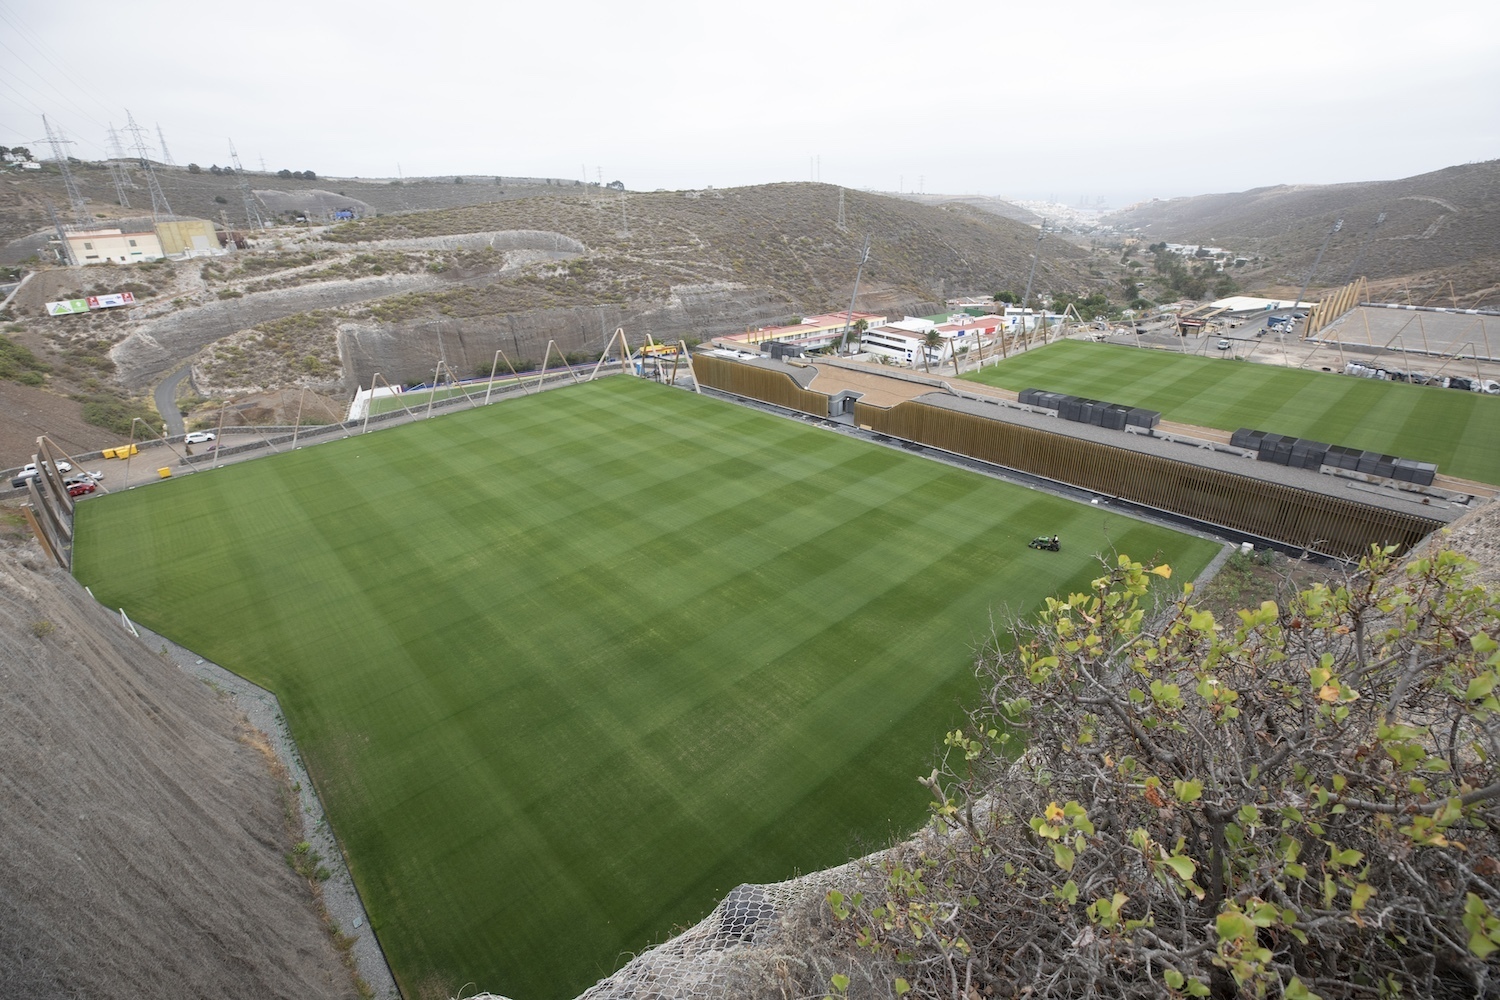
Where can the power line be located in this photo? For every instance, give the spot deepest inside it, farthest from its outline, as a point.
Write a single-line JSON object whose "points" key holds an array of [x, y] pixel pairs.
{"points": [[40, 47]]}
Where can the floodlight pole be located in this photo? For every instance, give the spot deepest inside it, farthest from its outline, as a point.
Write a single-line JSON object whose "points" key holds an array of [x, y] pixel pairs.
{"points": [[296, 423], [369, 404], [864, 258], [1321, 250], [219, 434], [1036, 252]]}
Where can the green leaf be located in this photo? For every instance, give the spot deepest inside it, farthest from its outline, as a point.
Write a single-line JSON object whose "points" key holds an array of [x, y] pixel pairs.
{"points": [[840, 981], [1481, 686], [1196, 988], [1296, 991], [1063, 855], [1362, 894], [1174, 978], [902, 987], [1233, 925], [1481, 945], [1185, 867], [1188, 791]]}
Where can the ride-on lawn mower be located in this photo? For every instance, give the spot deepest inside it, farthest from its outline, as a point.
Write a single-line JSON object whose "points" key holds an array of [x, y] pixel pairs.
{"points": [[1051, 544]]}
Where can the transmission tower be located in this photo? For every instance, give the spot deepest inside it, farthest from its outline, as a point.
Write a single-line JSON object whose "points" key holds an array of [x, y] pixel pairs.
{"points": [[843, 226], [115, 172], [159, 205], [75, 200], [115, 149], [253, 218], [62, 237], [166, 157]]}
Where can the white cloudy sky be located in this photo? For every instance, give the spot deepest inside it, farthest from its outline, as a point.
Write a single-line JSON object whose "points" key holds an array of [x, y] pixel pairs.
{"points": [[1068, 97]]}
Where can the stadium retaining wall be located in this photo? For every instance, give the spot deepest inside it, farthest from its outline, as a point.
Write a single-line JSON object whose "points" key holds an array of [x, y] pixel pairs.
{"points": [[763, 384], [1330, 525]]}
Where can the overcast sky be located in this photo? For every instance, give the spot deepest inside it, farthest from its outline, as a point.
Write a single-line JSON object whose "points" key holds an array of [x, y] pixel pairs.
{"points": [[1073, 99]]}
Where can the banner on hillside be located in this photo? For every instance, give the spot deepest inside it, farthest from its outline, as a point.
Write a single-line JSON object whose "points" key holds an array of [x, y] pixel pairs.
{"points": [[67, 306], [110, 301]]}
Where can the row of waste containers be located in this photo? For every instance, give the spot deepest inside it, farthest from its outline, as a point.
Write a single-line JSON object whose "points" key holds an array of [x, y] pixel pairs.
{"points": [[1110, 416], [1301, 453]]}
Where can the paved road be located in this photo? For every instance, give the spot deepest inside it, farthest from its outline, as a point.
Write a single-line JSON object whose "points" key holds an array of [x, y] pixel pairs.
{"points": [[166, 400]]}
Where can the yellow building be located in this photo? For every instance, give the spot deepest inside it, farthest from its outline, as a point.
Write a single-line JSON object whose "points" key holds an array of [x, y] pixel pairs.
{"points": [[187, 236]]}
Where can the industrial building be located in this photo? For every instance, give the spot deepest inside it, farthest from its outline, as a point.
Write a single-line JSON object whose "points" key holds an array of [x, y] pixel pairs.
{"points": [[130, 241]]}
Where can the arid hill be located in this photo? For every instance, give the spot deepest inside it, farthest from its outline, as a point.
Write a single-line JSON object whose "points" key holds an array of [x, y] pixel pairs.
{"points": [[1439, 227], [328, 307]]}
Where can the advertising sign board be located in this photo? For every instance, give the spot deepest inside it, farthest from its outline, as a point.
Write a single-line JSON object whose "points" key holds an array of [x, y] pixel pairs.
{"points": [[67, 306], [110, 301]]}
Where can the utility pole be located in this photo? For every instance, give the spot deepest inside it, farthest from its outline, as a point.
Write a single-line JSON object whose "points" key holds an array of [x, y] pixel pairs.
{"points": [[843, 226], [75, 200], [115, 149], [159, 205]]}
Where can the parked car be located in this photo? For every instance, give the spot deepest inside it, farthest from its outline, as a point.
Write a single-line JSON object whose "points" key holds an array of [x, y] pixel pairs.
{"points": [[81, 487], [199, 437], [1223, 345], [29, 469]]}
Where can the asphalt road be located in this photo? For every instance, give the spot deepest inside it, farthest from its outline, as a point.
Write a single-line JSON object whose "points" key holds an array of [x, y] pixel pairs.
{"points": [[166, 400]]}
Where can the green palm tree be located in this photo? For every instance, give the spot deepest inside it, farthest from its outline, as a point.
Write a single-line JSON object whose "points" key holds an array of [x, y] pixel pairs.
{"points": [[931, 342]]}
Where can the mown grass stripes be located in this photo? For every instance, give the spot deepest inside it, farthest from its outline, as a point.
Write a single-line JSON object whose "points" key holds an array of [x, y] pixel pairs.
{"points": [[567, 669], [1460, 431]]}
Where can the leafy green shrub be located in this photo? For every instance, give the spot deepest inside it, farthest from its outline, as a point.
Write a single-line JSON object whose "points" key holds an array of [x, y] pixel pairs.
{"points": [[116, 412], [1151, 803], [19, 363]]}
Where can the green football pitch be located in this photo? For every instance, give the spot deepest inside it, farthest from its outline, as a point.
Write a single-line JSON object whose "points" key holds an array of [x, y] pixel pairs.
{"points": [[568, 668], [1460, 431]]}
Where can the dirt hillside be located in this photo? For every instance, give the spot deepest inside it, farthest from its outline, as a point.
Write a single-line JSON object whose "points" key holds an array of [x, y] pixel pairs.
{"points": [[1443, 226], [143, 831]]}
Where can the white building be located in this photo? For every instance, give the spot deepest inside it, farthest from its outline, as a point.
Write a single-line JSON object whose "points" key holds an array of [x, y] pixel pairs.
{"points": [[906, 340], [98, 246]]}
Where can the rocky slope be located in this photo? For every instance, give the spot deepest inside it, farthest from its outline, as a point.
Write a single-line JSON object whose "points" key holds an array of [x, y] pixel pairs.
{"points": [[144, 830]]}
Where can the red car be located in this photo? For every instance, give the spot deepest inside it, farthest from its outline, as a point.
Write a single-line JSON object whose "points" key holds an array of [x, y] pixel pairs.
{"points": [[81, 488]]}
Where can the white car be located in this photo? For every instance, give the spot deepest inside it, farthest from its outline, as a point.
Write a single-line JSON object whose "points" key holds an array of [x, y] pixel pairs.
{"points": [[1223, 345], [199, 437], [30, 471]]}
